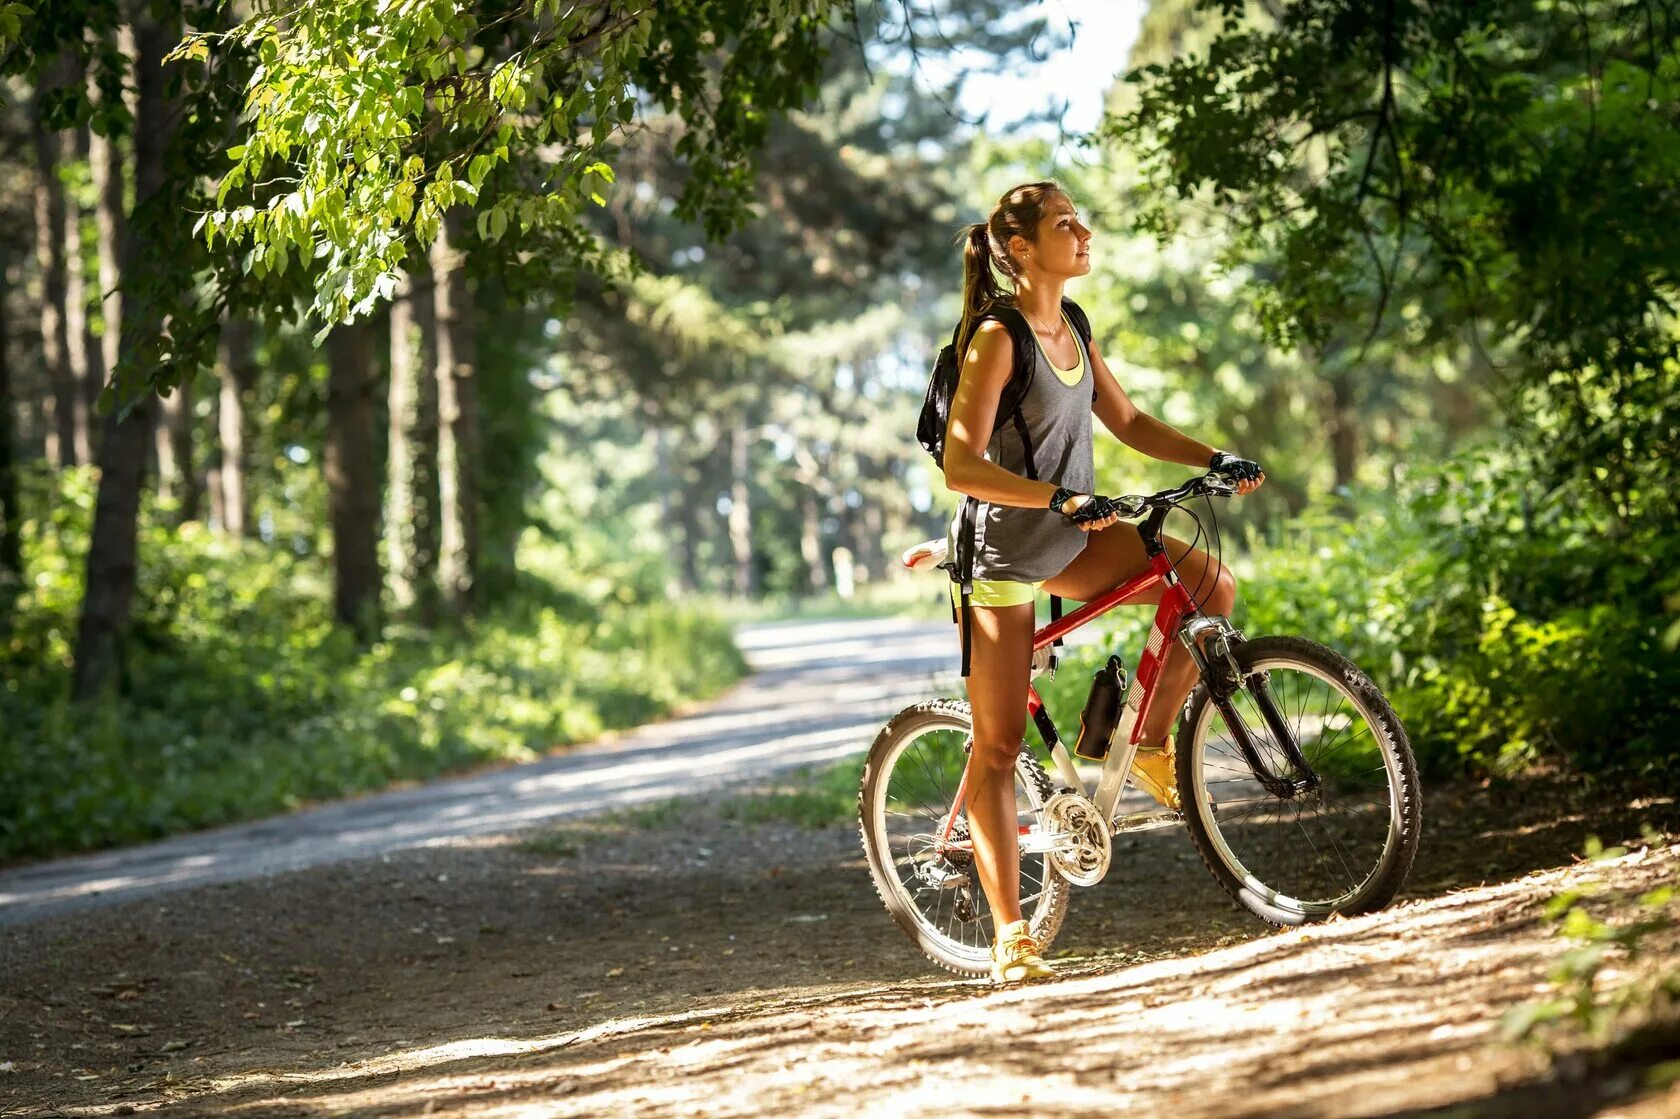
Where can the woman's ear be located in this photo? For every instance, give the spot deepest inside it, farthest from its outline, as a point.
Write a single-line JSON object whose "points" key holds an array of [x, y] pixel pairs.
{"points": [[1019, 248]]}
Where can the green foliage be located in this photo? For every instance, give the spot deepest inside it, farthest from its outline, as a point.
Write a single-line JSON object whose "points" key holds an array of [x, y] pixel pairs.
{"points": [[522, 109], [1500, 620], [244, 699], [1583, 994], [1499, 176]]}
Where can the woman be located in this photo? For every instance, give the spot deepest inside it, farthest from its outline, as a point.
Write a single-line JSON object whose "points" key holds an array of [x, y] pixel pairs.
{"points": [[1049, 533]]}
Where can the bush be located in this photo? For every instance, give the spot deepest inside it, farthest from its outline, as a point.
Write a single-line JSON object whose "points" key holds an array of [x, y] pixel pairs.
{"points": [[243, 698], [1506, 629]]}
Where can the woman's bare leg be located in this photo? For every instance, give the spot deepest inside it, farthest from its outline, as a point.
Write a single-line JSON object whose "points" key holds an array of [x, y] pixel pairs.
{"points": [[1116, 554], [1000, 661]]}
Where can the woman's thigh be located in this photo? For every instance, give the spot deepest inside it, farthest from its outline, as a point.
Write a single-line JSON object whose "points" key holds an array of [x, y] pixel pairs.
{"points": [[1115, 554], [1000, 664]]}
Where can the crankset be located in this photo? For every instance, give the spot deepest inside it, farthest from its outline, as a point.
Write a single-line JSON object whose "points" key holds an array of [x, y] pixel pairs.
{"points": [[1083, 856]]}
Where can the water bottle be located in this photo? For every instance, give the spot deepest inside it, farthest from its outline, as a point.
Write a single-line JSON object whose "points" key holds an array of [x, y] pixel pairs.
{"points": [[1102, 711]]}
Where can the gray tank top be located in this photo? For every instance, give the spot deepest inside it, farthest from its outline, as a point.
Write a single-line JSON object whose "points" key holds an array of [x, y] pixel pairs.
{"points": [[1030, 545]]}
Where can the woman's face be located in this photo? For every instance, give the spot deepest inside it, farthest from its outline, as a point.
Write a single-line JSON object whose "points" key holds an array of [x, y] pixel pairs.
{"points": [[1064, 243]]}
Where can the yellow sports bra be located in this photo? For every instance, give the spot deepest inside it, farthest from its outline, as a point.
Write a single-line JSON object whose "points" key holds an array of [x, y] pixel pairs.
{"points": [[1074, 373]]}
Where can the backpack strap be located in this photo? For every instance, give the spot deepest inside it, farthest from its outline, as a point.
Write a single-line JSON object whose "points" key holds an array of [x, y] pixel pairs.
{"points": [[964, 575], [1055, 616], [1015, 391]]}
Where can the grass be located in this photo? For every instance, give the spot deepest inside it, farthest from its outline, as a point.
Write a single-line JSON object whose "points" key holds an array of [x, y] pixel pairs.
{"points": [[243, 698], [809, 798], [553, 844]]}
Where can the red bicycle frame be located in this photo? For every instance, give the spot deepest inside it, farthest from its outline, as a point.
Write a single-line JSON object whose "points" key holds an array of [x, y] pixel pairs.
{"points": [[1174, 606]]}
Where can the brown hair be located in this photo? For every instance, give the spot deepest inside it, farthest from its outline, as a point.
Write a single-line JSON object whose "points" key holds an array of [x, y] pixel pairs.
{"points": [[986, 243]]}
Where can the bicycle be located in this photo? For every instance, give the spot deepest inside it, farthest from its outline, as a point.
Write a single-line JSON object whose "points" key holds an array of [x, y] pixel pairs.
{"points": [[1276, 729]]}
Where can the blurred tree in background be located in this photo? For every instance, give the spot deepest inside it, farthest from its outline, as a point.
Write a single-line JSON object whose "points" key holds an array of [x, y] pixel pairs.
{"points": [[395, 270]]}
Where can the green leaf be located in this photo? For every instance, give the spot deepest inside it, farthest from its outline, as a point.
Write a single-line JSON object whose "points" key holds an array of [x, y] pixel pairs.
{"points": [[1522, 1019]]}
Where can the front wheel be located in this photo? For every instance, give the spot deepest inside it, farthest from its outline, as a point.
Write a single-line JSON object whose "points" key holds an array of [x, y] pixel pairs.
{"points": [[1330, 826], [924, 873]]}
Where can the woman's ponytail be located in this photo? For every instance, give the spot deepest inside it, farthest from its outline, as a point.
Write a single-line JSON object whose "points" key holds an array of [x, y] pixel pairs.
{"points": [[980, 286]]}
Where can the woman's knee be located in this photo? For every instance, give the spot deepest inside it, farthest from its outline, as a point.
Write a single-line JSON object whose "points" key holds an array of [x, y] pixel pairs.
{"points": [[997, 754], [1225, 590]]}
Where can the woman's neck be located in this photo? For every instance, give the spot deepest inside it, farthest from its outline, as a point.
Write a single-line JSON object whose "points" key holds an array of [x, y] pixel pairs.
{"points": [[1042, 302]]}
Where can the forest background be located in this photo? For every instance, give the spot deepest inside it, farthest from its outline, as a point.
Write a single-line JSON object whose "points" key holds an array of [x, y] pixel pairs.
{"points": [[392, 389]]}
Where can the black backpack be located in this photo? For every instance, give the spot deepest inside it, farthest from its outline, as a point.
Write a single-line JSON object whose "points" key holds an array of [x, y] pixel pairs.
{"points": [[936, 416]]}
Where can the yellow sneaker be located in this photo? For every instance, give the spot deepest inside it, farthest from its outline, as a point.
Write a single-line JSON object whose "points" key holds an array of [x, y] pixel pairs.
{"points": [[1156, 773], [1015, 956]]}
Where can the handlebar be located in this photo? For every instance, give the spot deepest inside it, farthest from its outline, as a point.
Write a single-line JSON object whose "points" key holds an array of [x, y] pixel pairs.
{"points": [[1210, 484]]}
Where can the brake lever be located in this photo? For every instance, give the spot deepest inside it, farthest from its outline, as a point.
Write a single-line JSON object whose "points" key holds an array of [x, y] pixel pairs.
{"points": [[1218, 484], [1130, 506]]}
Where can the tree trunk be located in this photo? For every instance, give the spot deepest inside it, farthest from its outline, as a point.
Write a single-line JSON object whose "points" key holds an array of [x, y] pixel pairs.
{"points": [[1343, 423], [810, 541], [59, 399], [410, 504], [352, 472], [107, 605], [236, 375], [457, 403], [740, 515], [11, 518], [667, 476], [85, 367], [177, 472], [106, 167], [688, 521]]}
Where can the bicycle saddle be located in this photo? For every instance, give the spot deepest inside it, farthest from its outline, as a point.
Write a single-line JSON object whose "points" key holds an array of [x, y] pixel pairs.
{"points": [[926, 556]]}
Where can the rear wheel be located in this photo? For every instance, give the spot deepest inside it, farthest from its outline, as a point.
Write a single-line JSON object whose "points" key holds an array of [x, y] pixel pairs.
{"points": [[909, 784], [1292, 846]]}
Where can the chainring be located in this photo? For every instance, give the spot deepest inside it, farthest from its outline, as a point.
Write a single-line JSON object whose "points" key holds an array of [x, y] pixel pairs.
{"points": [[1085, 863]]}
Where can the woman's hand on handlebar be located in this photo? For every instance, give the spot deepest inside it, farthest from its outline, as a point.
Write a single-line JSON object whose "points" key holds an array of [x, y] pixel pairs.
{"points": [[1244, 473], [1091, 512]]}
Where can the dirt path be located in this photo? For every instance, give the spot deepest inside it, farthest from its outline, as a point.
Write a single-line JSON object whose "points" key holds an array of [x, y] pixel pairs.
{"points": [[710, 968], [819, 691]]}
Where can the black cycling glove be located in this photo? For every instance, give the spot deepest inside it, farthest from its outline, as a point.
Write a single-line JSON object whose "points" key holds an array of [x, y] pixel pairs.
{"points": [[1242, 469], [1097, 509]]}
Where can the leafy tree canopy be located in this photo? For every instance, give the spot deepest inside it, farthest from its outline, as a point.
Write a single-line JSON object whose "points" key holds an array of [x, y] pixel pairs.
{"points": [[1503, 164], [367, 121]]}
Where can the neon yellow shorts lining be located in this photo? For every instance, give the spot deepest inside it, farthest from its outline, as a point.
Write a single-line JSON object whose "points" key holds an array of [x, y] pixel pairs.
{"points": [[996, 592]]}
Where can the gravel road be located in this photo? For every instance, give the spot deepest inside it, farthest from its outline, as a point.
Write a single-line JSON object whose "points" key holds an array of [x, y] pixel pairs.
{"points": [[818, 691]]}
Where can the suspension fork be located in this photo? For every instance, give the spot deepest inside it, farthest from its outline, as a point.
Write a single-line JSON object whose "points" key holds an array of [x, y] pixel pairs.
{"points": [[1209, 641]]}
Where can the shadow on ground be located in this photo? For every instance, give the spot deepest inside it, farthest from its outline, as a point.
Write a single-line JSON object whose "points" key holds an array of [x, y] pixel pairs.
{"points": [[617, 966]]}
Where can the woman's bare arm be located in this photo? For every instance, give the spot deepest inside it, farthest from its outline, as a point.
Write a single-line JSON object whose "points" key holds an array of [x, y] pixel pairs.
{"points": [[985, 370]]}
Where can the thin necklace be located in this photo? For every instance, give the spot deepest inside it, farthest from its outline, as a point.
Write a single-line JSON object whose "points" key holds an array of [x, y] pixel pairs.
{"points": [[1039, 323]]}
